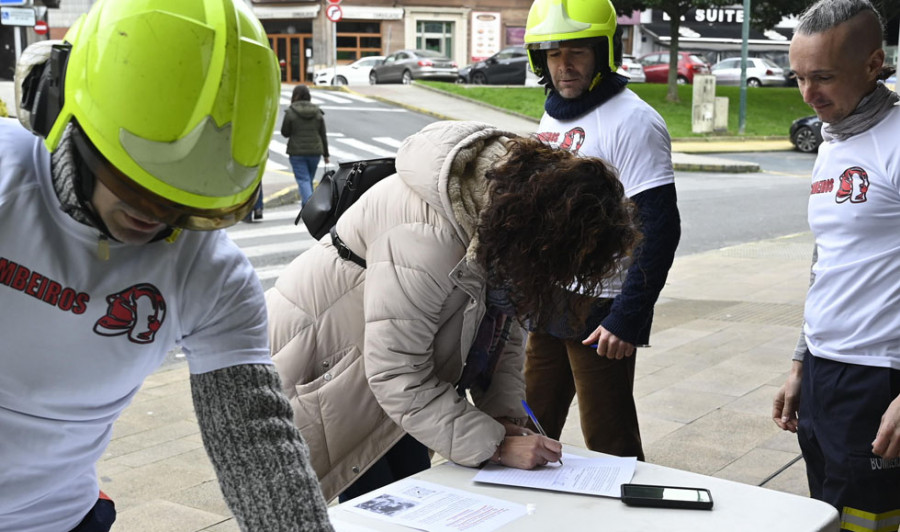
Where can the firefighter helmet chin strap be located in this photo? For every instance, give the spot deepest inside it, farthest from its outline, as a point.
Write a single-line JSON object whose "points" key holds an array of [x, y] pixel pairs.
{"points": [[596, 81]]}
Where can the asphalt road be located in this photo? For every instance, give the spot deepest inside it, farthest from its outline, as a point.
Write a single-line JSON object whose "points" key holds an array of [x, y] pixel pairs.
{"points": [[724, 209]]}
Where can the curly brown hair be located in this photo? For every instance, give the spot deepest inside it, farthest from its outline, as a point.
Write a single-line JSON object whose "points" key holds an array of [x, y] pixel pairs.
{"points": [[555, 220]]}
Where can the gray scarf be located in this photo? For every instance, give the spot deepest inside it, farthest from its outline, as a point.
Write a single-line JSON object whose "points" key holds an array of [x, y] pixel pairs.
{"points": [[869, 112]]}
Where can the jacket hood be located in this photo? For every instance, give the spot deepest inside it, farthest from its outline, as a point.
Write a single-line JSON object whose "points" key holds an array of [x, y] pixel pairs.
{"points": [[305, 109], [444, 164]]}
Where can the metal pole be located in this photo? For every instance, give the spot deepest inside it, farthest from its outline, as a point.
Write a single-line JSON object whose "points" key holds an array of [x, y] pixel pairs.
{"points": [[745, 36], [334, 42], [17, 36]]}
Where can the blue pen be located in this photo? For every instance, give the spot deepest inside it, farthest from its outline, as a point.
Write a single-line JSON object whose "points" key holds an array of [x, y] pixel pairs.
{"points": [[535, 421]]}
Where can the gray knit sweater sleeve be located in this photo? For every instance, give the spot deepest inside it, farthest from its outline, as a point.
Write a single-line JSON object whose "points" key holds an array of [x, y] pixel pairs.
{"points": [[259, 456]]}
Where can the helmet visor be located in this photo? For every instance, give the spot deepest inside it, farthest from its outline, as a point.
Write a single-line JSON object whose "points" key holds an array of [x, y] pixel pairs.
{"points": [[153, 205], [545, 45]]}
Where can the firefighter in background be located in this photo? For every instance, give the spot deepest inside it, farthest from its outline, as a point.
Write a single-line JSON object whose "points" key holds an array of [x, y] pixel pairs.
{"points": [[574, 48]]}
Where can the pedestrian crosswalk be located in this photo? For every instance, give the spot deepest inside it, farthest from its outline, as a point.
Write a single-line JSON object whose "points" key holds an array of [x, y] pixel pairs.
{"points": [[341, 147], [272, 243], [275, 241]]}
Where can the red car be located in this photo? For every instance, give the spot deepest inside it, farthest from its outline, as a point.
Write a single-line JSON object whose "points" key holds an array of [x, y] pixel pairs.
{"points": [[656, 67]]}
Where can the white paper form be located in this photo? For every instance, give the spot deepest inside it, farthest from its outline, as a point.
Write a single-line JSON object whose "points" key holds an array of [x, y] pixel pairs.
{"points": [[428, 506], [592, 476]]}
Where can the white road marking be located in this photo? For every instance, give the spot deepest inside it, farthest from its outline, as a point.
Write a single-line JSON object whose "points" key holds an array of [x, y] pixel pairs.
{"points": [[292, 247], [261, 229], [360, 145], [390, 141], [330, 96]]}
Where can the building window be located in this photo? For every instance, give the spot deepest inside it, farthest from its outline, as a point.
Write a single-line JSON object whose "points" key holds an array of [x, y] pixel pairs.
{"points": [[356, 40], [436, 36]]}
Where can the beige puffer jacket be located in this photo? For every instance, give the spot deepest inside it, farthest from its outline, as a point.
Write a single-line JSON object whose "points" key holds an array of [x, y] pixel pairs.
{"points": [[412, 314]]}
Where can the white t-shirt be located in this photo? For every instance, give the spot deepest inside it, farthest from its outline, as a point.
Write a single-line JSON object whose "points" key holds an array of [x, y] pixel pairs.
{"points": [[853, 307], [627, 133], [79, 334]]}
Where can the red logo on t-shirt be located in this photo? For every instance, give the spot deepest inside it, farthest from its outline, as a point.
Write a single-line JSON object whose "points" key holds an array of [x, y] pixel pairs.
{"points": [[137, 311], [854, 185], [573, 140]]}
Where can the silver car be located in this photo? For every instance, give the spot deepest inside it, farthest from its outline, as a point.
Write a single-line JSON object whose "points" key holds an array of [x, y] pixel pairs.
{"points": [[760, 72], [632, 70], [407, 65], [356, 73]]}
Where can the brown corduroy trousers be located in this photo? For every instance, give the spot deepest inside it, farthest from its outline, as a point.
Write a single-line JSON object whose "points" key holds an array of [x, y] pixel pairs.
{"points": [[556, 370]]}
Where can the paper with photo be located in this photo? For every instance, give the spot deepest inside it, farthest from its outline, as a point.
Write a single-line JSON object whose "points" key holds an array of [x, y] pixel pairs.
{"points": [[593, 476], [428, 506]]}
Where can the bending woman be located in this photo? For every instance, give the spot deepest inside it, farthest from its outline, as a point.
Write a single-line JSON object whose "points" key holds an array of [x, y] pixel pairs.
{"points": [[422, 335]]}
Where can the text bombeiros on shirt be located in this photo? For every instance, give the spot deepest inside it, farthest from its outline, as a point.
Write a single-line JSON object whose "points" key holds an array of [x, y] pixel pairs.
{"points": [[38, 286]]}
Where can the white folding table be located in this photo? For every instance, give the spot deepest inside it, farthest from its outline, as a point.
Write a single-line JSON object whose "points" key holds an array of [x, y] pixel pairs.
{"points": [[737, 506]]}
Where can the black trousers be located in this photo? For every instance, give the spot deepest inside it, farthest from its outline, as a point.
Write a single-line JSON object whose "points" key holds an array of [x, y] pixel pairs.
{"points": [[100, 518], [407, 457], [840, 410]]}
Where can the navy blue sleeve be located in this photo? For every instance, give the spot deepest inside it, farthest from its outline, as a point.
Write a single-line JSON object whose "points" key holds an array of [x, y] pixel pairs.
{"points": [[632, 310]]}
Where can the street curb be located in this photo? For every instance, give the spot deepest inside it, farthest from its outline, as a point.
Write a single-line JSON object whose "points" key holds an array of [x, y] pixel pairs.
{"points": [[285, 196], [722, 138], [747, 168]]}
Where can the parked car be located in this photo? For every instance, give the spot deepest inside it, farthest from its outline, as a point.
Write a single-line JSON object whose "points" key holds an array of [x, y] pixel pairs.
{"points": [[806, 133], [760, 72], [407, 65], [356, 73], [656, 67], [506, 67], [632, 70]]}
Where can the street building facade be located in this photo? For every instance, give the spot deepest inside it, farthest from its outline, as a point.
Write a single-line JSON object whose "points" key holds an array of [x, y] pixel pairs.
{"points": [[306, 36], [315, 34], [714, 34], [310, 35]]}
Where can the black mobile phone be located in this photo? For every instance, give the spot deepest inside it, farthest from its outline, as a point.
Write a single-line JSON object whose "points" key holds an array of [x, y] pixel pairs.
{"points": [[666, 496]]}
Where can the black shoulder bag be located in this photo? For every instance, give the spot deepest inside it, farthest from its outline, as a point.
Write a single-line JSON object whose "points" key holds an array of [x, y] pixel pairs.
{"points": [[337, 190]]}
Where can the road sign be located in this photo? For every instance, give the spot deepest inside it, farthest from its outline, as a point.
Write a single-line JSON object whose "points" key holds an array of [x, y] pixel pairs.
{"points": [[330, 2], [17, 16], [15, 2], [41, 28], [334, 12]]}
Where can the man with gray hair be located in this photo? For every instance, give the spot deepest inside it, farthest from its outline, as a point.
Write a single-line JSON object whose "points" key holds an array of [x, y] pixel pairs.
{"points": [[841, 395]]}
